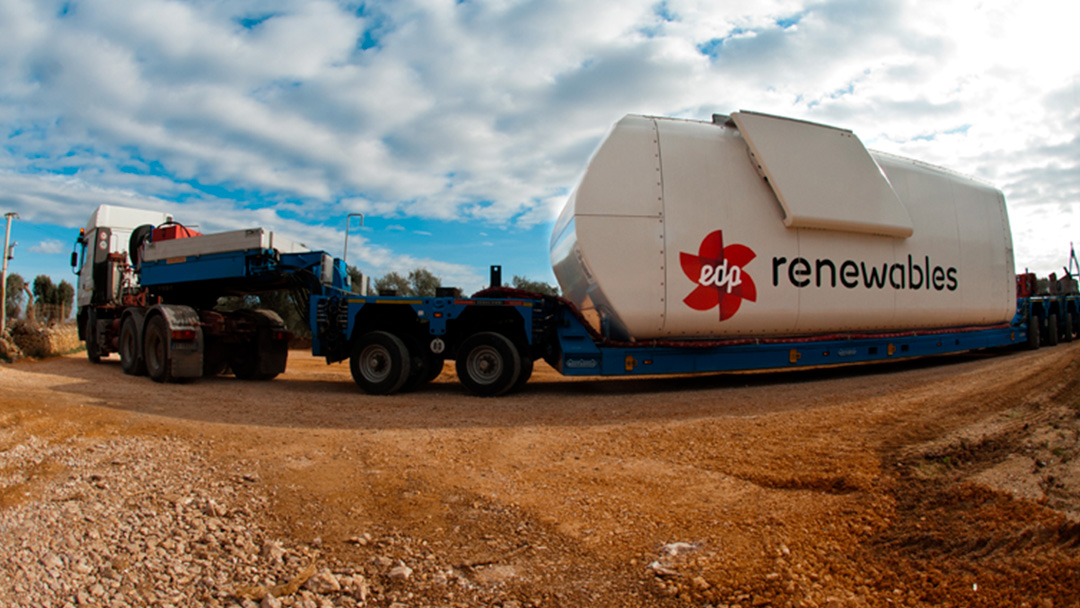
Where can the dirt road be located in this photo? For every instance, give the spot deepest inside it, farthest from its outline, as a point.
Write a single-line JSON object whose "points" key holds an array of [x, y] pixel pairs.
{"points": [[951, 482]]}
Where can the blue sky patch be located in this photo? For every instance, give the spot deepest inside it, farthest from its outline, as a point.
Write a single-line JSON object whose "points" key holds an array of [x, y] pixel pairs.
{"points": [[250, 23]]}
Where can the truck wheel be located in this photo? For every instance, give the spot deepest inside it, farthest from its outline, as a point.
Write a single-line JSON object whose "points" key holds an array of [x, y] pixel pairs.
{"points": [[526, 373], [93, 350], [245, 365], [156, 350], [1033, 332], [1051, 330], [488, 364], [263, 356], [215, 358], [131, 360], [1069, 328], [380, 363]]}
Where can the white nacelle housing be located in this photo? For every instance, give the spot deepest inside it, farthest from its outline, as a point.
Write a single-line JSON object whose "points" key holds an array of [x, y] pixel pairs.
{"points": [[764, 226]]}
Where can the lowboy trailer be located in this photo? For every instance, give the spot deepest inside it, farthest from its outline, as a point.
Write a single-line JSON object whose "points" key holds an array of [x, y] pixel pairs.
{"points": [[495, 337]]}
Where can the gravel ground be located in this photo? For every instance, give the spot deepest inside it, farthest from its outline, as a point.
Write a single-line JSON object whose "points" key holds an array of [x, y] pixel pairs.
{"points": [[146, 521], [952, 482]]}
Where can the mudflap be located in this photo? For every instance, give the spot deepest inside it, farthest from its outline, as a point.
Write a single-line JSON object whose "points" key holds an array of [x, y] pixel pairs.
{"points": [[273, 354], [185, 340], [271, 343]]}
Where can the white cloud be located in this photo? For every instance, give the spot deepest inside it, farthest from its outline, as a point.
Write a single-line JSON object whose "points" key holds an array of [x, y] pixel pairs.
{"points": [[49, 247]]}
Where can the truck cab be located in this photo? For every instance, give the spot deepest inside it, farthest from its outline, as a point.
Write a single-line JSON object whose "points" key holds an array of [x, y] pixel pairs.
{"points": [[102, 250]]}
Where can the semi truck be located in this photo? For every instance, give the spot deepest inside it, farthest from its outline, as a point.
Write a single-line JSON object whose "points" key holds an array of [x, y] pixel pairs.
{"points": [[746, 242]]}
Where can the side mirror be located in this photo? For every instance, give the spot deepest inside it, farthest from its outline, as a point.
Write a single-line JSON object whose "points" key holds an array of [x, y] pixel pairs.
{"points": [[74, 259]]}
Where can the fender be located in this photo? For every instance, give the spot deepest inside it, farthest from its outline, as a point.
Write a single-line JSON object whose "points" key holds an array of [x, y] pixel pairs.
{"points": [[185, 356]]}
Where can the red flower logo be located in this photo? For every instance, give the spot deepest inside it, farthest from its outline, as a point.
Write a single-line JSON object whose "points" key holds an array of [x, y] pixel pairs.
{"points": [[718, 272]]}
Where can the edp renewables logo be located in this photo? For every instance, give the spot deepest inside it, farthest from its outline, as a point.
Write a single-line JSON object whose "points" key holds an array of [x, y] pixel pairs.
{"points": [[721, 280], [823, 272]]}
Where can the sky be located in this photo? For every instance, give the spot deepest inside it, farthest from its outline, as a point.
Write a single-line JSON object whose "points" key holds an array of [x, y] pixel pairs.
{"points": [[459, 128]]}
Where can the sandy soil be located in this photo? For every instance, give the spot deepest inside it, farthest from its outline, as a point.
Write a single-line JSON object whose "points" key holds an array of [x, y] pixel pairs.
{"points": [[945, 482]]}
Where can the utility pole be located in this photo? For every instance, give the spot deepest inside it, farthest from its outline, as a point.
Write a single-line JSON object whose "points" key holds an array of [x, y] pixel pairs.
{"points": [[3, 273]]}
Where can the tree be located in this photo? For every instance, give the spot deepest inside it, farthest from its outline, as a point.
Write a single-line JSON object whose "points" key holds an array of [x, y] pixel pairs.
{"points": [[44, 290], [44, 299], [423, 282], [65, 298], [13, 296], [52, 303], [393, 282], [534, 286], [420, 282], [283, 304]]}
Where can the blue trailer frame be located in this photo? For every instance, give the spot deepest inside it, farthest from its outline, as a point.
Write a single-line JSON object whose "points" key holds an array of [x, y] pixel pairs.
{"points": [[553, 330], [582, 357]]}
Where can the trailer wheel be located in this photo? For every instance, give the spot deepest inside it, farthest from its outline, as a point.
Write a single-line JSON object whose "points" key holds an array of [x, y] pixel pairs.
{"points": [[93, 350], [156, 350], [131, 360], [425, 367], [435, 367], [1033, 331], [1069, 328], [420, 364], [526, 373], [1051, 330], [488, 364], [380, 363]]}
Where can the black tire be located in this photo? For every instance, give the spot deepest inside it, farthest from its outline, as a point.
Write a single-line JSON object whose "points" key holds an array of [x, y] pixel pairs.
{"points": [[419, 365], [138, 237], [131, 359], [435, 368], [1070, 328], [1033, 332], [245, 365], [250, 359], [156, 350], [526, 373], [93, 350], [488, 364], [1052, 330], [215, 358], [380, 363]]}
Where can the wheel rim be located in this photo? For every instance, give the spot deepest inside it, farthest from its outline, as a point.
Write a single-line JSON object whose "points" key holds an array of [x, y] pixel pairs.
{"points": [[485, 364], [375, 363]]}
